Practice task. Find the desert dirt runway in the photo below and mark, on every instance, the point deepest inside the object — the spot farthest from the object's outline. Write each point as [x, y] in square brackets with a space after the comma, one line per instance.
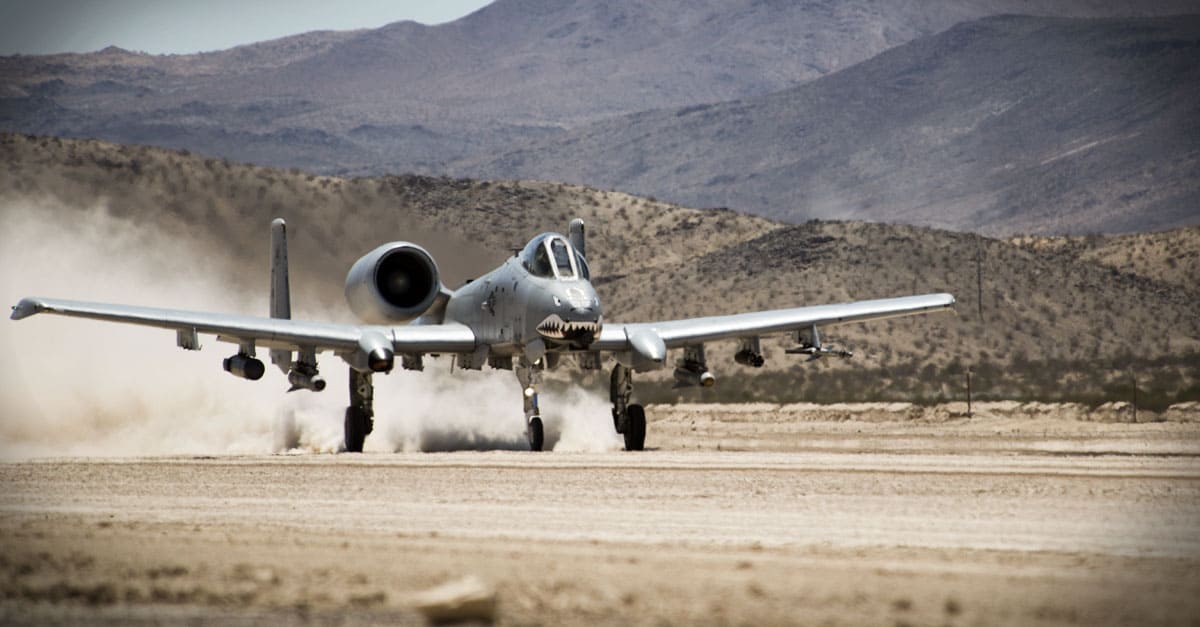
[1001, 519]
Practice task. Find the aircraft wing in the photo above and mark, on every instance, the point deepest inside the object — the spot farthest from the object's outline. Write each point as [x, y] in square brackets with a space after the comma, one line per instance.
[267, 332]
[677, 333]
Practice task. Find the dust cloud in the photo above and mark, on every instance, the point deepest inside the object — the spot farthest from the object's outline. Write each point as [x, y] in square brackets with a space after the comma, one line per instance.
[85, 388]
[480, 411]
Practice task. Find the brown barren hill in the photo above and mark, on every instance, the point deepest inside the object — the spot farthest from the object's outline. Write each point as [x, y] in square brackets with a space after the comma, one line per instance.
[1033, 321]
[1169, 257]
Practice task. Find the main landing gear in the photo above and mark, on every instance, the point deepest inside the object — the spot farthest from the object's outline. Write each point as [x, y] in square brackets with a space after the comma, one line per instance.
[360, 414]
[629, 419]
[535, 431]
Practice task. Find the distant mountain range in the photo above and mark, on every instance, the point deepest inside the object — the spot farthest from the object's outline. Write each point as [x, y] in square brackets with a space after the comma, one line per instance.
[1001, 125]
[759, 105]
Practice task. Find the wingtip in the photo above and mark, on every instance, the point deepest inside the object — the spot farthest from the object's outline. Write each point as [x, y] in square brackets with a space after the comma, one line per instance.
[27, 307]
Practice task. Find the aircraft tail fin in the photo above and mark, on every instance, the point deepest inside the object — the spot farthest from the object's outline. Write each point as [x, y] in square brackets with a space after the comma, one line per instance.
[281, 298]
[576, 234]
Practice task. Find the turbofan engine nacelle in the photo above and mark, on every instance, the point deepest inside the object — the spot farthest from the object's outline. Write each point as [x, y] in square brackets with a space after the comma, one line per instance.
[394, 283]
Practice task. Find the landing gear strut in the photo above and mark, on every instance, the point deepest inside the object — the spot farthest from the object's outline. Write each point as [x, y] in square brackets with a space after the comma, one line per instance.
[530, 376]
[629, 419]
[359, 415]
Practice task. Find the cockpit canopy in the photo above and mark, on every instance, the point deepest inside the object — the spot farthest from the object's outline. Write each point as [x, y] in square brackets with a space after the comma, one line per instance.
[551, 256]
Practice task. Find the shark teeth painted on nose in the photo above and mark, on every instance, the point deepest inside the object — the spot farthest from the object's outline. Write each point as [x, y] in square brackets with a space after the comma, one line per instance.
[554, 327]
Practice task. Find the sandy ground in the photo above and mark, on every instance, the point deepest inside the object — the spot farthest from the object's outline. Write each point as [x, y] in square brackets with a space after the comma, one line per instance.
[738, 515]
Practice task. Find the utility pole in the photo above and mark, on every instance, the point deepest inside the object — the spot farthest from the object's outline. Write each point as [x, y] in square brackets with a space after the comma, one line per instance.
[979, 278]
[1133, 374]
[968, 392]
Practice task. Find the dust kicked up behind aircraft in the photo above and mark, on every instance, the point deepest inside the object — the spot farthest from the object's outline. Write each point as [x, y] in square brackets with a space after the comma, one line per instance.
[527, 315]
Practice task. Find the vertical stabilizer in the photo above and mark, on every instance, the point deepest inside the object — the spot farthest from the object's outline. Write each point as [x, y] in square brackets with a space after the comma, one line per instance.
[576, 235]
[281, 299]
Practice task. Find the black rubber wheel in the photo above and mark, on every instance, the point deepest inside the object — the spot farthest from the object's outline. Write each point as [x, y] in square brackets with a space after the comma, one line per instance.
[537, 435]
[356, 427]
[635, 428]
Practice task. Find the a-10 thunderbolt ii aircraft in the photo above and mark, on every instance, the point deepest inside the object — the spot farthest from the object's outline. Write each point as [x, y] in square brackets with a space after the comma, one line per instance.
[525, 315]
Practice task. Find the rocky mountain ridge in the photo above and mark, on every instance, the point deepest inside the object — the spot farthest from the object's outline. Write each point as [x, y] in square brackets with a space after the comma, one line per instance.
[450, 98]
[1003, 125]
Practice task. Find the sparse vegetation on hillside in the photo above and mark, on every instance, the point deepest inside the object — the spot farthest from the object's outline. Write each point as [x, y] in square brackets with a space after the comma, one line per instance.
[1055, 325]
[1169, 257]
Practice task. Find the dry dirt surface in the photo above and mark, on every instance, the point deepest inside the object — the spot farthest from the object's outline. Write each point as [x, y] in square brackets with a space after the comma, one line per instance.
[886, 515]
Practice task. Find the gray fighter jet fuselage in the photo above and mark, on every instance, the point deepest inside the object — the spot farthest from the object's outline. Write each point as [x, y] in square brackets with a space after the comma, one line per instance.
[523, 308]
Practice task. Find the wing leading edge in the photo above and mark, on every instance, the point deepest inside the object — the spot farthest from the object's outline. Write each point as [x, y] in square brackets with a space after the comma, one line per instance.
[678, 333]
[267, 332]
[458, 338]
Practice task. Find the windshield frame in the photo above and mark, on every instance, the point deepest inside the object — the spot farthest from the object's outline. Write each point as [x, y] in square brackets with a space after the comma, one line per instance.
[540, 252]
[556, 262]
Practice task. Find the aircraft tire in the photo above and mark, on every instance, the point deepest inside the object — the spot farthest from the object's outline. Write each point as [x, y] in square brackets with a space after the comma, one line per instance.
[537, 434]
[635, 428]
[356, 426]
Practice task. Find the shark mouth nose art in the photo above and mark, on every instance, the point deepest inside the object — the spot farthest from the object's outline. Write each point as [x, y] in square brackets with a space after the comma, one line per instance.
[555, 328]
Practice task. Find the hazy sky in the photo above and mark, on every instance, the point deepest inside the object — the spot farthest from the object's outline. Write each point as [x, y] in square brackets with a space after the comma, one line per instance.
[179, 26]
